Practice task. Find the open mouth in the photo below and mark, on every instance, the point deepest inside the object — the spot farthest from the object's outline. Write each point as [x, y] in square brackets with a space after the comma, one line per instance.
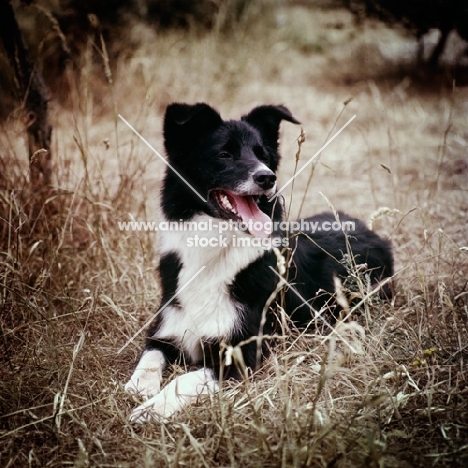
[243, 208]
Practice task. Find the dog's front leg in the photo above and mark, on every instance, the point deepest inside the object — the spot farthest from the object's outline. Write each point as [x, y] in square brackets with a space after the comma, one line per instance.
[146, 380]
[181, 392]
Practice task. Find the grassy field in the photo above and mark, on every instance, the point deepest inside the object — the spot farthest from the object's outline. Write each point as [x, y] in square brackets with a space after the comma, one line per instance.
[74, 288]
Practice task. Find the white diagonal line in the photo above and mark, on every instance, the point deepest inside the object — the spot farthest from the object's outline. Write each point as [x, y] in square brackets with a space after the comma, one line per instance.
[161, 309]
[317, 315]
[158, 155]
[312, 158]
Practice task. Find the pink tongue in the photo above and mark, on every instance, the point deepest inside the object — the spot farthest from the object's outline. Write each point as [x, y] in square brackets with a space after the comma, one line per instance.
[258, 222]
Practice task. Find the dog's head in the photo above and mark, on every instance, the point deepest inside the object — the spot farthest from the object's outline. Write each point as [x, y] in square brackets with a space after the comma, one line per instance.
[231, 164]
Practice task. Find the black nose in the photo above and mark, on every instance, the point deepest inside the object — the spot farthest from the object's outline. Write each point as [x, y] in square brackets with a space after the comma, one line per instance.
[265, 179]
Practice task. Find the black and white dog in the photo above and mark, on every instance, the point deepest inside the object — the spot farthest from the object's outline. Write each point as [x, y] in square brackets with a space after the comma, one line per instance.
[218, 263]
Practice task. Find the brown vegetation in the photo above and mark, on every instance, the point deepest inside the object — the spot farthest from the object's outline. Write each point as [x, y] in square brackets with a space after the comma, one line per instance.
[74, 288]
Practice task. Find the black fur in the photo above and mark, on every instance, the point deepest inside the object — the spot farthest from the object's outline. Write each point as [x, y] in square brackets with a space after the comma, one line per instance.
[213, 154]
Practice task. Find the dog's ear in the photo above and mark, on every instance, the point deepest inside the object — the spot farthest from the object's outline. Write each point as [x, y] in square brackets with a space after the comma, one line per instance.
[267, 119]
[185, 124]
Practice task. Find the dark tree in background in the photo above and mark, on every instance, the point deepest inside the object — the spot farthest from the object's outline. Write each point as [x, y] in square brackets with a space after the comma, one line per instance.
[419, 16]
[33, 95]
[40, 38]
[56, 32]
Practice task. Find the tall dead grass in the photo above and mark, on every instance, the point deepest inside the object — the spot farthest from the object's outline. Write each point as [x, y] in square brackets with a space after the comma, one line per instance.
[387, 388]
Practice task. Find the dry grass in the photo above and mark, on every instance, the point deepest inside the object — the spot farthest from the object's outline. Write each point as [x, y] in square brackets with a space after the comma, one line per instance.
[74, 288]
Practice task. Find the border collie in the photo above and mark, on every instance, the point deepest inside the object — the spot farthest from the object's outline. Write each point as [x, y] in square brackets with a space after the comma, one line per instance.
[219, 265]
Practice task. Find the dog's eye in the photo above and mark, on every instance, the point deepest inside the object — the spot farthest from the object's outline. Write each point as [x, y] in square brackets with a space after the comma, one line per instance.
[260, 153]
[224, 155]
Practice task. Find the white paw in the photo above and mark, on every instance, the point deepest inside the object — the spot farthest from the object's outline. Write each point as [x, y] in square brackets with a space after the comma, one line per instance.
[146, 380]
[154, 409]
[181, 392]
[144, 383]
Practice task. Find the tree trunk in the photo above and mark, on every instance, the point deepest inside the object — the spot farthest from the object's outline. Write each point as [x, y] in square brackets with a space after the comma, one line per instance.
[34, 96]
[439, 48]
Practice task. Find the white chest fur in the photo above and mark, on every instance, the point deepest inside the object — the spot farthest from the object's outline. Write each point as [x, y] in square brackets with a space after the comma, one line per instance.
[207, 309]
